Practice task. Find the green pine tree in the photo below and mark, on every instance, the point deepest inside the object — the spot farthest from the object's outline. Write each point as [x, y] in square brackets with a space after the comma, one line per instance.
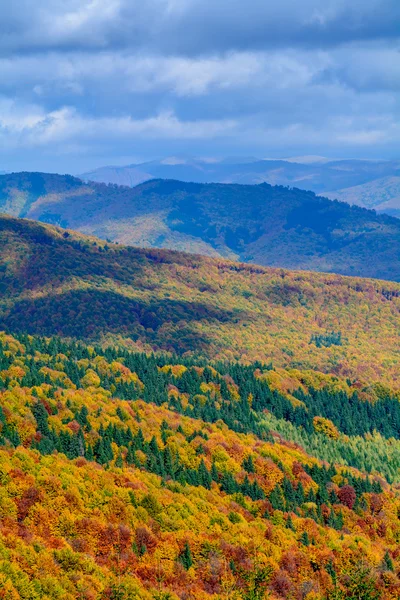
[185, 556]
[304, 539]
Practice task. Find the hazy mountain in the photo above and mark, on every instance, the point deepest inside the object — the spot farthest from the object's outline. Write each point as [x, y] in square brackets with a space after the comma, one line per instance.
[314, 173]
[382, 194]
[309, 159]
[264, 224]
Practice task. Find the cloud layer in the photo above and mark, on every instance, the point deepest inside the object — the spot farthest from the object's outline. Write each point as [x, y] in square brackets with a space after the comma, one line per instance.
[84, 82]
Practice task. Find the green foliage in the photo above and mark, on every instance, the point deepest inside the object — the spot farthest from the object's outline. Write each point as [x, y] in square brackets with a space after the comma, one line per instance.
[369, 453]
[360, 584]
[387, 562]
[185, 556]
[256, 582]
[334, 338]
[304, 539]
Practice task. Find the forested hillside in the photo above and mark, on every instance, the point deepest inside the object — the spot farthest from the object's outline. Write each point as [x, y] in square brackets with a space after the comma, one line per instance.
[255, 455]
[371, 184]
[57, 282]
[315, 173]
[263, 224]
[140, 477]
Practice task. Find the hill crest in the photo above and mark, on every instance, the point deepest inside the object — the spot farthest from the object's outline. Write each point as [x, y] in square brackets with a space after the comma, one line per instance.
[262, 224]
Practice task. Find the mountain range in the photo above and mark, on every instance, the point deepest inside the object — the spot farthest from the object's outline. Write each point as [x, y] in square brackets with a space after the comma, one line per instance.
[263, 224]
[367, 183]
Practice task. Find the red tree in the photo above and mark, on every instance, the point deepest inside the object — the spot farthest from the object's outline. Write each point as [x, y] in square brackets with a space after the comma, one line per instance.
[347, 496]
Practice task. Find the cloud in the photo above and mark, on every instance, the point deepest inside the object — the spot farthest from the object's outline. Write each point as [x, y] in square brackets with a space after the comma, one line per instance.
[366, 68]
[193, 26]
[34, 128]
[29, 126]
[107, 79]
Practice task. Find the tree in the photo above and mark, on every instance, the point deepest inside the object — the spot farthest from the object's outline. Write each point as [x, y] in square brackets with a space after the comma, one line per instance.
[387, 563]
[40, 414]
[276, 498]
[256, 581]
[360, 584]
[304, 539]
[248, 464]
[347, 496]
[185, 556]
[289, 523]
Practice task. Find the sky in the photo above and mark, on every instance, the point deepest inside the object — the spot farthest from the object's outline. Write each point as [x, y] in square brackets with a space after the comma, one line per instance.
[86, 83]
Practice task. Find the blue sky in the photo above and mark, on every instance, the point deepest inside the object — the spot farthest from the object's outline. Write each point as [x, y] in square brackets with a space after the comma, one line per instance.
[85, 83]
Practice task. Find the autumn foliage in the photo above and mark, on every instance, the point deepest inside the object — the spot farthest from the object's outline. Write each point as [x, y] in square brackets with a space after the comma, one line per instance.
[55, 282]
[134, 476]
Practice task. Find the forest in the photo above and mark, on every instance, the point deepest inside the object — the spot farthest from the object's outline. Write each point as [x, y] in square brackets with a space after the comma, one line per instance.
[273, 225]
[127, 474]
[56, 282]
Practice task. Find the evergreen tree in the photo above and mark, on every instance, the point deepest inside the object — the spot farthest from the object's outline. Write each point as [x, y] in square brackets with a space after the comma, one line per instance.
[276, 498]
[387, 563]
[214, 472]
[185, 557]
[204, 476]
[248, 464]
[362, 585]
[290, 524]
[41, 417]
[304, 539]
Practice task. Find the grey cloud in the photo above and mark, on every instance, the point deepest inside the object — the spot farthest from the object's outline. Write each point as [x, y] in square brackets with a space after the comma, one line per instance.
[84, 82]
[370, 68]
[190, 27]
[226, 24]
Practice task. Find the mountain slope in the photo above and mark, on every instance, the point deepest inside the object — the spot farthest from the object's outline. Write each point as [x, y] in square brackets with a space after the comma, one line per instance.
[383, 195]
[263, 224]
[313, 173]
[134, 477]
[137, 476]
[58, 282]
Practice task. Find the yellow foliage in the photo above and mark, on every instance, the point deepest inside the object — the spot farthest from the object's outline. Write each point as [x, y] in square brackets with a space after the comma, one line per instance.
[91, 379]
[176, 370]
[325, 426]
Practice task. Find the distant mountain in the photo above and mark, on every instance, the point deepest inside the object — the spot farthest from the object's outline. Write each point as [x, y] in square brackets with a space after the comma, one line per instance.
[264, 224]
[309, 159]
[314, 173]
[382, 194]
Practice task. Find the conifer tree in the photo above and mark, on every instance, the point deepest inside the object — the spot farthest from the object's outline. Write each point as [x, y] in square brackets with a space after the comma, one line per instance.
[185, 557]
[276, 498]
[248, 464]
[304, 539]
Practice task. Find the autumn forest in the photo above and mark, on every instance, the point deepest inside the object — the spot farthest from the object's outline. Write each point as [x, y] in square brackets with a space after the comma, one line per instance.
[177, 427]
